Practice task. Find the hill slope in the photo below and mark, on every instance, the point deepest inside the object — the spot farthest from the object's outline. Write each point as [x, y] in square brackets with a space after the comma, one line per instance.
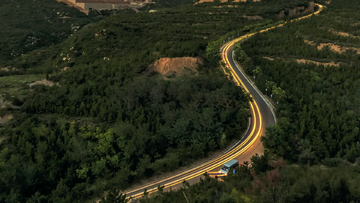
[106, 124]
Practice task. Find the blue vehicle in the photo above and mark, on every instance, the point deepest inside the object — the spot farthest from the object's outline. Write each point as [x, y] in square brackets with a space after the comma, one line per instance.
[229, 166]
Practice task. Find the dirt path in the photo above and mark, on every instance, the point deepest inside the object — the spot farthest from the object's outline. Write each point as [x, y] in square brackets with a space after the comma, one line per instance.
[344, 34]
[304, 61]
[333, 47]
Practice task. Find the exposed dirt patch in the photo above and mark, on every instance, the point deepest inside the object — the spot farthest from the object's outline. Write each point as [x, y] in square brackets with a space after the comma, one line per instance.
[4, 104]
[268, 58]
[7, 69]
[317, 63]
[304, 61]
[204, 1]
[333, 47]
[5, 118]
[43, 82]
[71, 4]
[173, 67]
[327, 2]
[64, 69]
[227, 6]
[344, 34]
[253, 17]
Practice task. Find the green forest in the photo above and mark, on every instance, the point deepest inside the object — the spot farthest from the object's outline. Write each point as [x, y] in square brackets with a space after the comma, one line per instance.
[313, 152]
[30, 25]
[320, 105]
[105, 123]
[309, 70]
[268, 180]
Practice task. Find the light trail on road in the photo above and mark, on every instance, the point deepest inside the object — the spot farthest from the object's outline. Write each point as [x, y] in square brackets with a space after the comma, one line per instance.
[197, 171]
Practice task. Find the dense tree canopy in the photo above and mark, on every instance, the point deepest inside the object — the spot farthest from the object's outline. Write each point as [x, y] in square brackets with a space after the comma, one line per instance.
[29, 25]
[319, 116]
[279, 183]
[106, 123]
[317, 129]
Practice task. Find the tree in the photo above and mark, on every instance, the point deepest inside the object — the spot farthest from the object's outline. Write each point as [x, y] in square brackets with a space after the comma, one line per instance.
[278, 93]
[351, 154]
[114, 196]
[257, 71]
[227, 198]
[259, 163]
[269, 85]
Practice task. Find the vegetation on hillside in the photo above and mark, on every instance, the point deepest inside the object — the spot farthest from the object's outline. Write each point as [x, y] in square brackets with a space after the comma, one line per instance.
[30, 25]
[334, 181]
[319, 105]
[166, 4]
[318, 116]
[106, 124]
[159, 126]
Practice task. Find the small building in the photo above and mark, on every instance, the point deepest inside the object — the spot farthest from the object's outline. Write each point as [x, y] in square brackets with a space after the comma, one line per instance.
[85, 5]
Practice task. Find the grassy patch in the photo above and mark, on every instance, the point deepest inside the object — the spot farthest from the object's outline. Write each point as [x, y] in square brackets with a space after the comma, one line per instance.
[17, 85]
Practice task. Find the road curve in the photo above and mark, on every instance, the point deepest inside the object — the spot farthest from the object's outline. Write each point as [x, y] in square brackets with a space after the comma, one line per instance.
[262, 117]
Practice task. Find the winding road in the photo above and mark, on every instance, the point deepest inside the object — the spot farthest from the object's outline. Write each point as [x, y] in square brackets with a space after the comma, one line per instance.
[262, 116]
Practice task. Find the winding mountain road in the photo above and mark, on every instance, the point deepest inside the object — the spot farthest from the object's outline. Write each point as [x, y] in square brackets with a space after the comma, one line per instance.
[262, 116]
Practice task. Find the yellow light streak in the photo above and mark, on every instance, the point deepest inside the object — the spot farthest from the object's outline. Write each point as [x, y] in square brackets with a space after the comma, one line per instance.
[209, 168]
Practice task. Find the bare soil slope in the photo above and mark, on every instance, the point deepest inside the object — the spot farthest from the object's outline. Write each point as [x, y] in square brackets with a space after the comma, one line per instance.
[307, 61]
[333, 47]
[173, 67]
[42, 82]
[5, 118]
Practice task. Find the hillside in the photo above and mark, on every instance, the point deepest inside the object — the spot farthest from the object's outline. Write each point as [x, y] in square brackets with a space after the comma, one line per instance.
[313, 152]
[30, 25]
[321, 100]
[105, 123]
